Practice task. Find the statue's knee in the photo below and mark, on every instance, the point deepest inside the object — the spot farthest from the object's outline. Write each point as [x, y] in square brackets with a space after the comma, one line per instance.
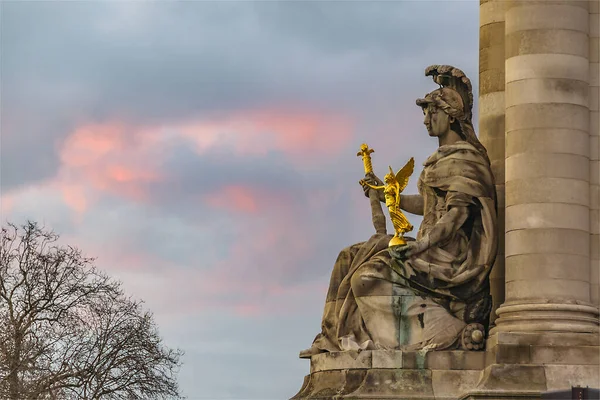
[362, 282]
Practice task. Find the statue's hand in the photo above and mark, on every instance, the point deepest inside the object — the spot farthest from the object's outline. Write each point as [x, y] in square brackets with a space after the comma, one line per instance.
[372, 180]
[409, 249]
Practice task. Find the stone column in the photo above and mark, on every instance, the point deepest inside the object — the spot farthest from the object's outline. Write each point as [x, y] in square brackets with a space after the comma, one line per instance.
[594, 150]
[491, 120]
[547, 167]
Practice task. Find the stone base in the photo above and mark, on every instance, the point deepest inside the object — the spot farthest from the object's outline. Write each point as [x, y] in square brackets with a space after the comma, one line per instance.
[382, 374]
[524, 365]
[515, 366]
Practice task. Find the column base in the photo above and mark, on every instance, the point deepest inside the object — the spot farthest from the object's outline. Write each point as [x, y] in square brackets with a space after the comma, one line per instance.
[542, 316]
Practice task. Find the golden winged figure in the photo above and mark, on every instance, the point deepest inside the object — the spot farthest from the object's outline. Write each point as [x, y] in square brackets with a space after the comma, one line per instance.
[395, 183]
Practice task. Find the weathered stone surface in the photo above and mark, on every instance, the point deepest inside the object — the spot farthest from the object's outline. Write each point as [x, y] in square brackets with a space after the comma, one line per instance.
[449, 385]
[586, 355]
[455, 360]
[387, 359]
[564, 376]
[402, 383]
[513, 377]
[340, 360]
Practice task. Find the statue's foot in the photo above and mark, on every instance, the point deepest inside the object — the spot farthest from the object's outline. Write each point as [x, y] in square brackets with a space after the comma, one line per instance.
[472, 337]
[311, 351]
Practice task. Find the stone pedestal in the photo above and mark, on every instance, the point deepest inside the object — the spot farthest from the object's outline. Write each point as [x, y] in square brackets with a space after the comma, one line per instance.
[381, 374]
[515, 366]
[523, 365]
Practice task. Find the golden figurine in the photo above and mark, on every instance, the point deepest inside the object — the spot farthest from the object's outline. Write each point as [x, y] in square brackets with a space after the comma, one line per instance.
[394, 185]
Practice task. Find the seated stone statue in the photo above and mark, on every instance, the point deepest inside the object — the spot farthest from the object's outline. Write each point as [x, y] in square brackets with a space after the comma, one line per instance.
[433, 292]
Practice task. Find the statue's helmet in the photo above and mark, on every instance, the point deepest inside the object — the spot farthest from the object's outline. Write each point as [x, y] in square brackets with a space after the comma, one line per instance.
[446, 99]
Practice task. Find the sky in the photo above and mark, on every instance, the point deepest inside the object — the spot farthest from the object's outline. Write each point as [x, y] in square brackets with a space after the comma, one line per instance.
[205, 153]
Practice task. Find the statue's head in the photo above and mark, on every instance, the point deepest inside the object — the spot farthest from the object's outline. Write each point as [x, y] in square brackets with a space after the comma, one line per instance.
[450, 106]
[443, 109]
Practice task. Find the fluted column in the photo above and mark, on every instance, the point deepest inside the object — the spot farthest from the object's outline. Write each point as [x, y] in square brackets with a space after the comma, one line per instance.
[547, 167]
[491, 120]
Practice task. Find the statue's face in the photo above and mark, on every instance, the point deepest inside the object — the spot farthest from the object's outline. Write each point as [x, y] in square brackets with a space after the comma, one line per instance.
[436, 121]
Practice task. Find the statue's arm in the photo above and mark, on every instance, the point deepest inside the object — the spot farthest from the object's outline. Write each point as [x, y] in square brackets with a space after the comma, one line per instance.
[446, 226]
[412, 203]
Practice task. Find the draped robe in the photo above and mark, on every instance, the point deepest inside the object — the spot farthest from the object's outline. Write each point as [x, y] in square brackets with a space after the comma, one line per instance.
[450, 278]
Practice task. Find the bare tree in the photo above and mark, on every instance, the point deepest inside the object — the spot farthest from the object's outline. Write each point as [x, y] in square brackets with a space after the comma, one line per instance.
[67, 331]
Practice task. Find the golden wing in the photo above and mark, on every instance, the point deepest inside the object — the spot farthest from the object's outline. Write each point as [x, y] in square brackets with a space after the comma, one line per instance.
[405, 173]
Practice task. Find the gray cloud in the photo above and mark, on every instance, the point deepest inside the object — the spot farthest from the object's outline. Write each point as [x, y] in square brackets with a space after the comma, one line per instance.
[156, 62]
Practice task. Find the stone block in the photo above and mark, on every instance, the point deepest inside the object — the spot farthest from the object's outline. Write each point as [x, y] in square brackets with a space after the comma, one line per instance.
[491, 36]
[549, 288]
[324, 384]
[494, 147]
[546, 189]
[594, 25]
[537, 66]
[595, 294]
[594, 148]
[547, 41]
[340, 360]
[594, 123]
[513, 377]
[547, 165]
[387, 359]
[553, 266]
[547, 215]
[490, 80]
[594, 94]
[565, 376]
[594, 74]
[492, 126]
[547, 90]
[508, 354]
[572, 3]
[594, 247]
[402, 383]
[413, 360]
[549, 241]
[547, 17]
[543, 339]
[548, 116]
[576, 355]
[451, 384]
[594, 49]
[491, 12]
[455, 360]
[570, 141]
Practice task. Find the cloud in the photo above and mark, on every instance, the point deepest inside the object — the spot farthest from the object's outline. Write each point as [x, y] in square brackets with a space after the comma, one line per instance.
[206, 153]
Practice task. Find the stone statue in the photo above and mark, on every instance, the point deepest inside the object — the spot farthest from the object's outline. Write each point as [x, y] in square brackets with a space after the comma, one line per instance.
[431, 293]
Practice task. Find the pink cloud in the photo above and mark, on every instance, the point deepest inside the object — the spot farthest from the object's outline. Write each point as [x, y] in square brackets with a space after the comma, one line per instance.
[235, 198]
[302, 135]
[122, 159]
